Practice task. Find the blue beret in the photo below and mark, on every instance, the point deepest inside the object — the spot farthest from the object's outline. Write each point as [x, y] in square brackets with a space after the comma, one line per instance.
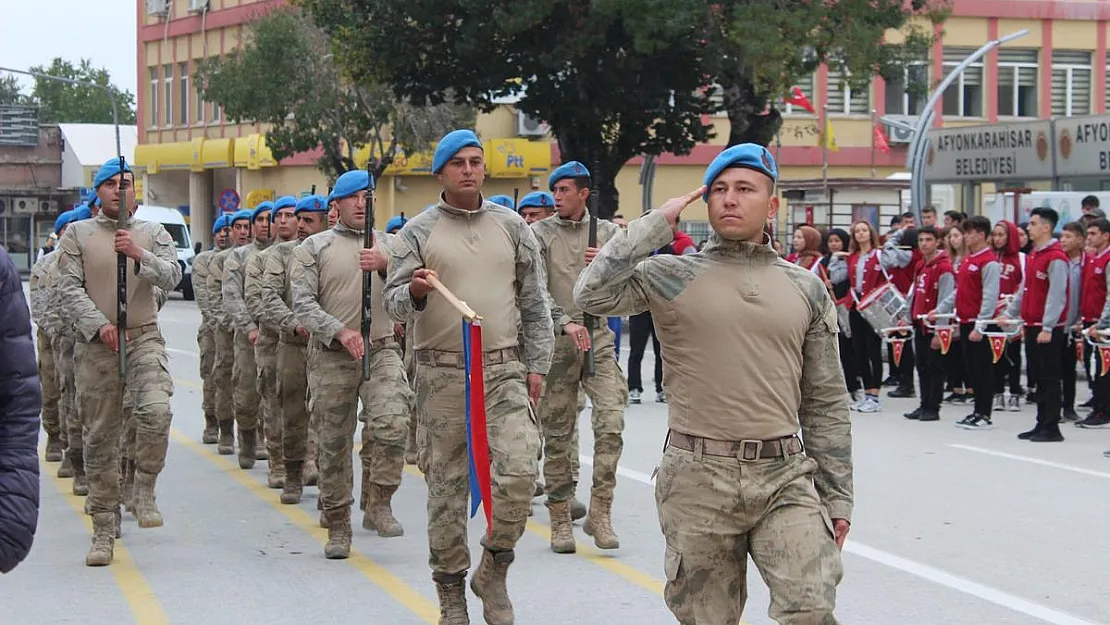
[572, 169]
[450, 145]
[63, 220]
[503, 200]
[312, 204]
[541, 199]
[395, 223]
[246, 213]
[108, 170]
[746, 155]
[351, 183]
[220, 223]
[263, 207]
[285, 201]
[81, 213]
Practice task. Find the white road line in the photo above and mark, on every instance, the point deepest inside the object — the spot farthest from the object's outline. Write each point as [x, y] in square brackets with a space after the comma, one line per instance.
[1045, 463]
[183, 352]
[926, 572]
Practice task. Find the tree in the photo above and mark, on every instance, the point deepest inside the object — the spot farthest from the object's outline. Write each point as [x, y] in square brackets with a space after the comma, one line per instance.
[10, 91]
[612, 79]
[760, 54]
[68, 103]
[285, 76]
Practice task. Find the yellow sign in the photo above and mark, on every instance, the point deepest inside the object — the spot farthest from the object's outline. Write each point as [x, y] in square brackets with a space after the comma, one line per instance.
[402, 165]
[138, 189]
[251, 152]
[517, 158]
[258, 196]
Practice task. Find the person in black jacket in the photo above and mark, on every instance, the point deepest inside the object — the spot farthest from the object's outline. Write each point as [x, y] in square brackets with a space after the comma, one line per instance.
[20, 404]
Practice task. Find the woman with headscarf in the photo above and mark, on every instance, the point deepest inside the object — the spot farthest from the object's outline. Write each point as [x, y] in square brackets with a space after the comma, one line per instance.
[836, 280]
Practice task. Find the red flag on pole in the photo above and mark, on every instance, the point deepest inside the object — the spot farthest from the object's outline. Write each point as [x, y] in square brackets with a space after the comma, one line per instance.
[477, 440]
[797, 98]
[880, 141]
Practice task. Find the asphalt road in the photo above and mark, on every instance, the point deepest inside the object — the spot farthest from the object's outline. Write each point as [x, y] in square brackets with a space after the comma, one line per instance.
[951, 527]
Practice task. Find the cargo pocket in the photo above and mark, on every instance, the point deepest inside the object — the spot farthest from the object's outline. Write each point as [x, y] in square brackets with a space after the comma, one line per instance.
[672, 564]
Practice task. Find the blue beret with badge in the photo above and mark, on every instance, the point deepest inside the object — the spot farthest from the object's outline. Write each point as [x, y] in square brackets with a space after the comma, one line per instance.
[747, 155]
[246, 214]
[109, 170]
[263, 207]
[312, 204]
[503, 200]
[450, 145]
[220, 223]
[540, 199]
[572, 169]
[82, 212]
[63, 220]
[351, 183]
[285, 201]
[395, 223]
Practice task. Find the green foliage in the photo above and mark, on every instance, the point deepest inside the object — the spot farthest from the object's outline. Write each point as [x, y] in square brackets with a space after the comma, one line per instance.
[285, 76]
[613, 78]
[68, 103]
[10, 90]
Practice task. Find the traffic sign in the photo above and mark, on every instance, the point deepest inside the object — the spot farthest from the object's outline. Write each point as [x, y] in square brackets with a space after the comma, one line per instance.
[229, 200]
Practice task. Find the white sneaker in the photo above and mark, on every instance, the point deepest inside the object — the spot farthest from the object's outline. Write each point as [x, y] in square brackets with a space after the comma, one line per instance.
[1015, 403]
[869, 405]
[999, 402]
[633, 396]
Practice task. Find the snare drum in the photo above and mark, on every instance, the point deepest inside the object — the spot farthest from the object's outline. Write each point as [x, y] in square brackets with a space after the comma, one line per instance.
[885, 307]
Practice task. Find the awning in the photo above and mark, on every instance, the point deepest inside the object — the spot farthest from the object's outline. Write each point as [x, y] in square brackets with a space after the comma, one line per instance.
[505, 158]
[217, 153]
[251, 152]
[416, 165]
[155, 157]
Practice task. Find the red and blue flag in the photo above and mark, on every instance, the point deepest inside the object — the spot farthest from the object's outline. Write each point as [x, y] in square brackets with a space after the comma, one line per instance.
[477, 440]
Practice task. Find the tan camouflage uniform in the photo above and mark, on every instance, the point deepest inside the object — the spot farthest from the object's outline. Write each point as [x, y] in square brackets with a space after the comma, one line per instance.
[69, 410]
[245, 372]
[491, 260]
[750, 351]
[265, 355]
[206, 344]
[223, 364]
[327, 297]
[563, 244]
[87, 285]
[46, 321]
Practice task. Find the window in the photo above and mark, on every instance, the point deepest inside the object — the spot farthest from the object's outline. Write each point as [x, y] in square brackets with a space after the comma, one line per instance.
[201, 106]
[1017, 83]
[843, 100]
[907, 95]
[964, 97]
[183, 95]
[167, 84]
[806, 85]
[152, 100]
[1071, 83]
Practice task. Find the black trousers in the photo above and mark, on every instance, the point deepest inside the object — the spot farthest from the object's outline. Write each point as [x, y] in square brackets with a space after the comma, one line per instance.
[1069, 359]
[955, 366]
[1008, 370]
[640, 327]
[1100, 384]
[980, 369]
[868, 347]
[848, 363]
[1048, 359]
[930, 370]
[906, 366]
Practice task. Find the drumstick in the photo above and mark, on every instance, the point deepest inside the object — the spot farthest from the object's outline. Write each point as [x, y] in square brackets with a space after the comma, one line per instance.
[459, 305]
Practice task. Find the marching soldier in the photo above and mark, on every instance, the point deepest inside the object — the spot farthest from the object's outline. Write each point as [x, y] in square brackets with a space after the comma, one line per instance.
[64, 340]
[265, 348]
[224, 365]
[565, 247]
[734, 480]
[327, 300]
[245, 370]
[87, 268]
[533, 207]
[490, 258]
[206, 333]
[275, 290]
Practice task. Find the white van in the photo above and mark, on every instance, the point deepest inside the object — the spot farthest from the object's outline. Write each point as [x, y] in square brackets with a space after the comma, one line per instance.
[174, 223]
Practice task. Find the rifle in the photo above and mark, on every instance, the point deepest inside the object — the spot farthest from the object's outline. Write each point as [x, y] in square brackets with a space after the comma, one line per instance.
[516, 199]
[367, 277]
[121, 274]
[589, 366]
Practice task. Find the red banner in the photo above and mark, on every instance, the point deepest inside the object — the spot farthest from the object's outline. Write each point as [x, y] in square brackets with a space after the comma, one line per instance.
[998, 347]
[896, 348]
[944, 336]
[1104, 360]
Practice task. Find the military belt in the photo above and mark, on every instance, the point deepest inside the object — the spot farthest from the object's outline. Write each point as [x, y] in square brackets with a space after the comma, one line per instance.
[291, 337]
[742, 450]
[375, 344]
[435, 358]
[133, 333]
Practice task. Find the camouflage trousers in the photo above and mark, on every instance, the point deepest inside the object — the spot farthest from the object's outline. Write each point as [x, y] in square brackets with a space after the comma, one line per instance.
[222, 372]
[244, 376]
[265, 355]
[513, 446]
[333, 378]
[716, 511]
[69, 408]
[206, 343]
[298, 430]
[559, 410]
[51, 391]
[100, 394]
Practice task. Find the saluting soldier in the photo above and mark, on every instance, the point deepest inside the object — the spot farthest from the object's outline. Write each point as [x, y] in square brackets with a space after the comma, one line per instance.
[245, 370]
[564, 243]
[299, 438]
[734, 480]
[327, 300]
[206, 333]
[87, 284]
[265, 348]
[489, 258]
[223, 367]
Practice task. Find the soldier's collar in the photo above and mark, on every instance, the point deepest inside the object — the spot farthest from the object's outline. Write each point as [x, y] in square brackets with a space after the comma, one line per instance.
[570, 223]
[343, 228]
[453, 211]
[719, 246]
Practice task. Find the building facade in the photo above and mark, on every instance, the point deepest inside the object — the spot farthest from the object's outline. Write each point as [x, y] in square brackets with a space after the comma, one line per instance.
[195, 159]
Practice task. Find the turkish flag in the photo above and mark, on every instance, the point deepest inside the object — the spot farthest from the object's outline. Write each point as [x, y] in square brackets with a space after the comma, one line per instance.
[998, 347]
[797, 98]
[944, 336]
[896, 348]
[1079, 350]
[1104, 360]
[880, 142]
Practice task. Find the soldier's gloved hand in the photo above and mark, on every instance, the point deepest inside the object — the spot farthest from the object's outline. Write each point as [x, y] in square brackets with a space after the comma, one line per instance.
[420, 287]
[252, 336]
[840, 531]
[579, 335]
[535, 387]
[352, 342]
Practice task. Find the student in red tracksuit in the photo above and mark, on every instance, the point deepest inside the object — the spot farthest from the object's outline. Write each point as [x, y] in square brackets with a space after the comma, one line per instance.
[933, 283]
[900, 258]
[1094, 309]
[1072, 238]
[976, 297]
[865, 274]
[1006, 241]
[1042, 304]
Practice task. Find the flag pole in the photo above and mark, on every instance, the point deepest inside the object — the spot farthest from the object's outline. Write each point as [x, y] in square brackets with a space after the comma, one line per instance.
[872, 143]
[825, 150]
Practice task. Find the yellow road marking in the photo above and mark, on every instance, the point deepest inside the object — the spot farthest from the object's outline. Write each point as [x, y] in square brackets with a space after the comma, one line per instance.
[140, 597]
